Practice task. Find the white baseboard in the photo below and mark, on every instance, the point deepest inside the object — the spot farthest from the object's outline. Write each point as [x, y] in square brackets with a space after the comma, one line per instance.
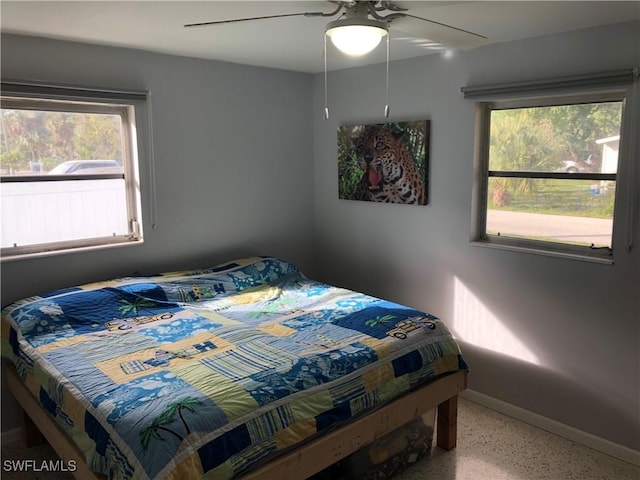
[583, 438]
[11, 436]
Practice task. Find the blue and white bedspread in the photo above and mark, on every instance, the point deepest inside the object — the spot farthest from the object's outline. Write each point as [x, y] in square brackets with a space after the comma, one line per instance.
[204, 374]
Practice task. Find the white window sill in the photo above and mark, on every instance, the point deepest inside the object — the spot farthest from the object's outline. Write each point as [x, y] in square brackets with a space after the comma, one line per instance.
[66, 251]
[597, 256]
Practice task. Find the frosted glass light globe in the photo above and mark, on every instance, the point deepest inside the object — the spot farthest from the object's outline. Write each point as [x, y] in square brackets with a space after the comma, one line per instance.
[355, 40]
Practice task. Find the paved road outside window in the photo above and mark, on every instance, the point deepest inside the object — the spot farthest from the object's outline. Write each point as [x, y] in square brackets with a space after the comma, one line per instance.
[555, 227]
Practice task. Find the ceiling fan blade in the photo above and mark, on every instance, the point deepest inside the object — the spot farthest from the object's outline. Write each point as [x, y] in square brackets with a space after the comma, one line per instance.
[447, 35]
[236, 20]
[265, 17]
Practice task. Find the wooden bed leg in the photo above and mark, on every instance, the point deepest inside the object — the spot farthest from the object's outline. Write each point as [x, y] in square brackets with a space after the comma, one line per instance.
[447, 423]
[30, 432]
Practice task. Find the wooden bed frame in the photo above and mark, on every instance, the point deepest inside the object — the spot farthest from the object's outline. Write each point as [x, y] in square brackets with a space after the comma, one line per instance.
[301, 462]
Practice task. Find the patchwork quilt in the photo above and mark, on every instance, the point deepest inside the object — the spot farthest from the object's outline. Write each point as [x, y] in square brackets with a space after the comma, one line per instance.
[208, 373]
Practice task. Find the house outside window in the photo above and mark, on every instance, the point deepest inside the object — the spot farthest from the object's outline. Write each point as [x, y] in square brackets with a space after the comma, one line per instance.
[547, 171]
[68, 169]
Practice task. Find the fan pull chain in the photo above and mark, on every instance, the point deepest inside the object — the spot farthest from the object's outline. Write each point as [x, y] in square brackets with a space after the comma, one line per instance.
[386, 107]
[633, 141]
[326, 107]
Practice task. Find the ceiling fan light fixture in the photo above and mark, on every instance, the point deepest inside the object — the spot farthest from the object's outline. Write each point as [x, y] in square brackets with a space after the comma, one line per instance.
[356, 36]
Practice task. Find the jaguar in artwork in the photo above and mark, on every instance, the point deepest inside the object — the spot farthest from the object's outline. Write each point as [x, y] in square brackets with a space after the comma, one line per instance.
[390, 172]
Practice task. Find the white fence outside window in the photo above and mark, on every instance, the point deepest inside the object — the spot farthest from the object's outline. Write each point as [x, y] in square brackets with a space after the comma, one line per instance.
[62, 210]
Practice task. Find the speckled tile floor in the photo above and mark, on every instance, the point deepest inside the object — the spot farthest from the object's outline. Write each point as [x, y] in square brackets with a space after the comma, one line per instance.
[491, 446]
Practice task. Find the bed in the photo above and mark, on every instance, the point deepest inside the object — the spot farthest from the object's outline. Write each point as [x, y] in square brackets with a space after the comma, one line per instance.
[245, 370]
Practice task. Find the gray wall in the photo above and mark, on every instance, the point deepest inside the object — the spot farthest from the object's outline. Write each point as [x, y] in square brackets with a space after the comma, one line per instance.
[233, 161]
[554, 336]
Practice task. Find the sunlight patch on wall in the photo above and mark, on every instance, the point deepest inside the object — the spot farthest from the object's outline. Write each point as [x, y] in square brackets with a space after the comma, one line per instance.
[474, 323]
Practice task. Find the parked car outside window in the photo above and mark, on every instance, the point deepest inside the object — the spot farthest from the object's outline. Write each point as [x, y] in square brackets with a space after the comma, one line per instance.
[80, 167]
[582, 166]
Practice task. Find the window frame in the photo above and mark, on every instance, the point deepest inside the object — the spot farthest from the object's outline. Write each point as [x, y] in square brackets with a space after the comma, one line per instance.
[131, 107]
[541, 94]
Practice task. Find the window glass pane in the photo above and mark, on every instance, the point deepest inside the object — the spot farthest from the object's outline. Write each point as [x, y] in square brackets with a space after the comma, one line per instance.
[569, 211]
[44, 142]
[565, 138]
[62, 143]
[43, 212]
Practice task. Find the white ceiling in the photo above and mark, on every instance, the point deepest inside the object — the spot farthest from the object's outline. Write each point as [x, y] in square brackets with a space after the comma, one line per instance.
[294, 43]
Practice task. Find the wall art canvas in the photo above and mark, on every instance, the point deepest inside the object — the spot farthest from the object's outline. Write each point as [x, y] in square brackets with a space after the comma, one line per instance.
[384, 162]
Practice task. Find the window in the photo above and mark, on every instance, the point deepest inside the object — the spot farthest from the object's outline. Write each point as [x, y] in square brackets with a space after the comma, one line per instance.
[68, 169]
[547, 172]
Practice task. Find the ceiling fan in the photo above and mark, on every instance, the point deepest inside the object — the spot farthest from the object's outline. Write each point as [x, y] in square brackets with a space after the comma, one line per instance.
[362, 24]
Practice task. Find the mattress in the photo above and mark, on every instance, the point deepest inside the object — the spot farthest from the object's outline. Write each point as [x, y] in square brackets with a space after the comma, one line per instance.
[208, 373]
